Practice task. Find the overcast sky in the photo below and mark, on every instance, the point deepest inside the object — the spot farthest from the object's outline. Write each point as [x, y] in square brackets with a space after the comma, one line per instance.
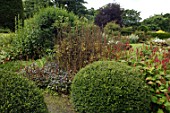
[146, 7]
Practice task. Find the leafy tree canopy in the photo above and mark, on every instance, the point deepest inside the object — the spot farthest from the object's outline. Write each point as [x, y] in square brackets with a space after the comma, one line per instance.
[108, 13]
[9, 10]
[158, 22]
[131, 17]
[76, 6]
[33, 6]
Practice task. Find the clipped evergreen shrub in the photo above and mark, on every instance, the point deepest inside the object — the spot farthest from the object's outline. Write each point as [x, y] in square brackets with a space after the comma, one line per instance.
[109, 87]
[125, 31]
[159, 35]
[9, 9]
[18, 95]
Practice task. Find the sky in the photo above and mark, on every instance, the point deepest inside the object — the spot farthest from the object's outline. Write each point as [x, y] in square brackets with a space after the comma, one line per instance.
[146, 7]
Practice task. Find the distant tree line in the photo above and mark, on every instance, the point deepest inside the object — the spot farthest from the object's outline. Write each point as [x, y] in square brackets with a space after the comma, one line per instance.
[10, 9]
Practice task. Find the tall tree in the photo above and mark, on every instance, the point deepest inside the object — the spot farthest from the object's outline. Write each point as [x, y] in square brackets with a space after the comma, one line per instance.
[157, 22]
[33, 6]
[131, 17]
[9, 10]
[76, 6]
[108, 13]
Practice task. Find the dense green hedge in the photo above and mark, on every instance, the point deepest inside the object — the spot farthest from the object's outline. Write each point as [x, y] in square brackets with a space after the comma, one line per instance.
[125, 31]
[18, 95]
[159, 35]
[109, 87]
[9, 9]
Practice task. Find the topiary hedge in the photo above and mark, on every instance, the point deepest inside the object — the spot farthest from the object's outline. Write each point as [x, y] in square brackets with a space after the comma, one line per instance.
[18, 95]
[109, 87]
[159, 35]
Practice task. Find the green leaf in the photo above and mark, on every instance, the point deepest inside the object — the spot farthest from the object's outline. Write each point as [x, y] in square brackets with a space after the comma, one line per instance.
[149, 78]
[158, 82]
[160, 111]
[162, 100]
[161, 87]
[164, 90]
[167, 104]
[167, 77]
[154, 99]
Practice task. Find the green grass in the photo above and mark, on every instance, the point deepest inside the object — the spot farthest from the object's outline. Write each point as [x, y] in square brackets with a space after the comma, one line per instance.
[135, 46]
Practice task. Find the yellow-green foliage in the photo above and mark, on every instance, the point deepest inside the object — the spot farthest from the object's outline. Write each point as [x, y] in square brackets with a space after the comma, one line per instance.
[160, 31]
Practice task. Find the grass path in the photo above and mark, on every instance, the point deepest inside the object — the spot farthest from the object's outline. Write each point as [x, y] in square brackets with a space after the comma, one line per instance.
[58, 104]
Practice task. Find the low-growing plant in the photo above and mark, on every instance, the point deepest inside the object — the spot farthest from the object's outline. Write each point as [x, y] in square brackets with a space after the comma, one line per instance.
[154, 63]
[49, 76]
[18, 95]
[110, 87]
[133, 38]
[168, 41]
[6, 40]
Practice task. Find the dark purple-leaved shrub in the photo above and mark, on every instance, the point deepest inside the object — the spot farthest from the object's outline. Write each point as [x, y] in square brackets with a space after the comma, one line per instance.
[49, 76]
[108, 13]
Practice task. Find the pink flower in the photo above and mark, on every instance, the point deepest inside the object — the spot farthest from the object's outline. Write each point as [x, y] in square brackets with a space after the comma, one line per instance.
[156, 59]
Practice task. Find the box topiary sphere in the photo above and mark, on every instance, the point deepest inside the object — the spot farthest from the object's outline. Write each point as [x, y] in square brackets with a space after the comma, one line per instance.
[109, 87]
[19, 95]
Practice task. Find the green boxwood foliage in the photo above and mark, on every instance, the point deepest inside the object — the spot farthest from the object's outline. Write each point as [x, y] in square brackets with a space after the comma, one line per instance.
[109, 87]
[18, 95]
[9, 9]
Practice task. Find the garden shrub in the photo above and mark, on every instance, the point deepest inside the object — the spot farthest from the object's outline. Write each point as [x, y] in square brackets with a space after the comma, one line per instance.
[6, 40]
[143, 28]
[125, 31]
[154, 63]
[109, 87]
[159, 35]
[19, 95]
[112, 29]
[13, 66]
[142, 36]
[5, 30]
[40, 32]
[86, 45]
[168, 41]
[49, 76]
[133, 38]
[83, 46]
